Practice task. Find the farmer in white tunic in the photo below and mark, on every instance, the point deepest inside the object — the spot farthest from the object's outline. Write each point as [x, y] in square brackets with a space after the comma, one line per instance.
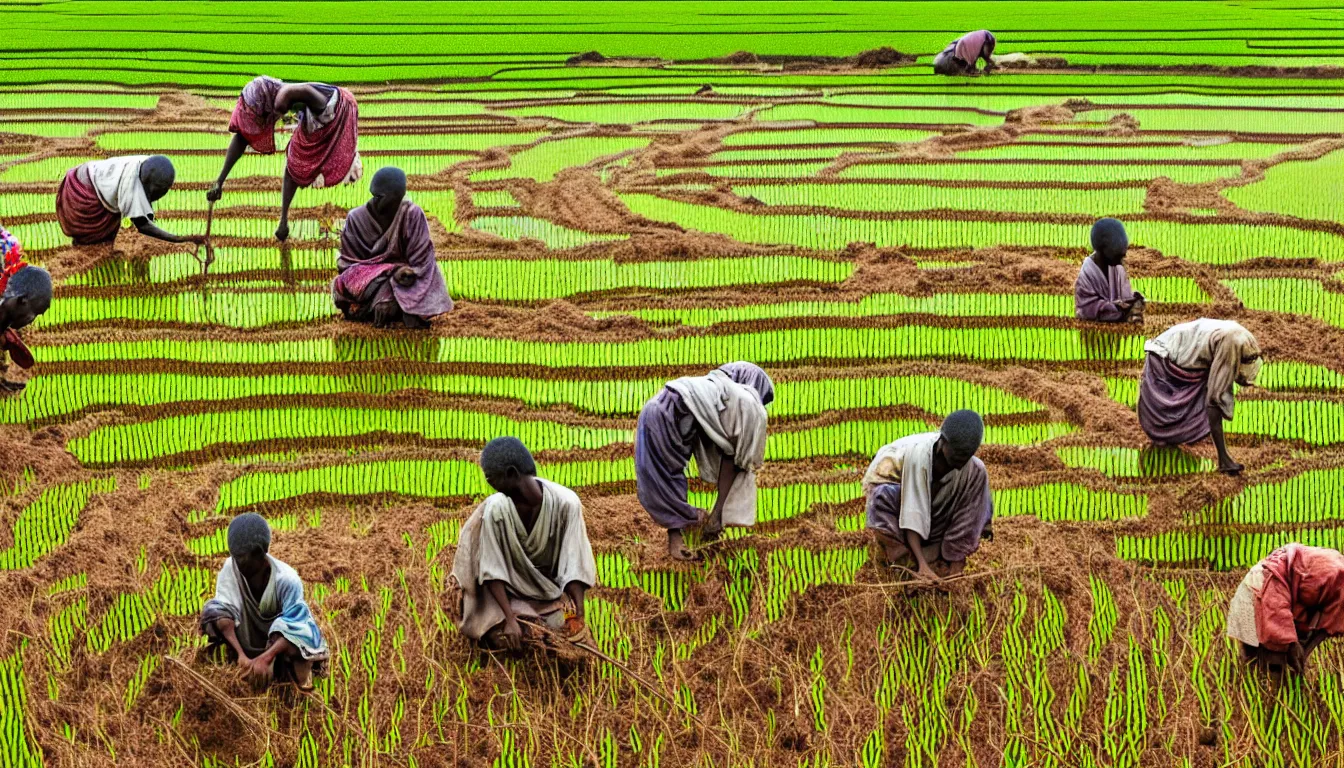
[523, 553]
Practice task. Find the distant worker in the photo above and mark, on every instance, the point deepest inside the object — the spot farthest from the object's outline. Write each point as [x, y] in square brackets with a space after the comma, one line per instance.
[386, 268]
[523, 553]
[258, 615]
[1186, 390]
[1102, 292]
[1287, 605]
[323, 150]
[961, 56]
[720, 419]
[25, 293]
[94, 197]
[928, 497]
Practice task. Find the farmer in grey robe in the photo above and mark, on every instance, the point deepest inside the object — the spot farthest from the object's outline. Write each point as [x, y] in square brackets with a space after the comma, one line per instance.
[720, 419]
[523, 553]
[928, 497]
[1102, 292]
[258, 613]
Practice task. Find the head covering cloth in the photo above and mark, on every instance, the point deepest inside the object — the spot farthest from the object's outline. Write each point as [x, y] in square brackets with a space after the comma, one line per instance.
[751, 375]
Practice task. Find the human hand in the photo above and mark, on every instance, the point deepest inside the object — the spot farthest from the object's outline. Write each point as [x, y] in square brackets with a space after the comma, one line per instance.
[404, 276]
[926, 573]
[215, 192]
[1297, 657]
[512, 634]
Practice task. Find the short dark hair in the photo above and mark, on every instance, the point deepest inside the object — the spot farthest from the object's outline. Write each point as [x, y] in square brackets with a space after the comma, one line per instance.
[159, 169]
[504, 452]
[34, 284]
[249, 534]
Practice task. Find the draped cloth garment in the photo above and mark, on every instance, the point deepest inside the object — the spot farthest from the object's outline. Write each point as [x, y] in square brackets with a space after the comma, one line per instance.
[255, 116]
[324, 148]
[952, 519]
[280, 611]
[1189, 368]
[369, 254]
[82, 216]
[494, 545]
[1294, 590]
[1097, 291]
[11, 261]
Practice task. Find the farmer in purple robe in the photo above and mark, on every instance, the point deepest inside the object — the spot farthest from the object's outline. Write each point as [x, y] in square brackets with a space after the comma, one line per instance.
[1186, 390]
[387, 271]
[928, 497]
[720, 419]
[961, 55]
[1102, 292]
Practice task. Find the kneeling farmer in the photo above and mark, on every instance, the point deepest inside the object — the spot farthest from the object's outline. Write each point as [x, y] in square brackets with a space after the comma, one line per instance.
[25, 293]
[259, 613]
[1288, 604]
[928, 496]
[961, 55]
[94, 197]
[524, 552]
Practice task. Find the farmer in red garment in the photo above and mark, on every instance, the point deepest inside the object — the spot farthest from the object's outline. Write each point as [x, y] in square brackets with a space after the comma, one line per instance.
[961, 55]
[25, 293]
[94, 197]
[321, 153]
[1287, 605]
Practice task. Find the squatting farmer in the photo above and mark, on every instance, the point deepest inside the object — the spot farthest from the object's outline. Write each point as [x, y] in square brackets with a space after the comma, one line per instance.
[524, 552]
[928, 497]
[1185, 393]
[1287, 605]
[720, 419]
[94, 197]
[258, 614]
[386, 269]
[1102, 292]
[322, 152]
[961, 56]
[25, 293]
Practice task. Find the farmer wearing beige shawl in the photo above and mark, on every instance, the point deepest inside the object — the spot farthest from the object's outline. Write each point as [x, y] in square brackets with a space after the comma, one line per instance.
[524, 552]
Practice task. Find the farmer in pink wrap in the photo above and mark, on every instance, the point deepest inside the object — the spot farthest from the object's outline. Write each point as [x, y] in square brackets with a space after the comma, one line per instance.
[1102, 292]
[1185, 393]
[94, 197]
[387, 270]
[25, 293]
[1288, 604]
[321, 153]
[961, 55]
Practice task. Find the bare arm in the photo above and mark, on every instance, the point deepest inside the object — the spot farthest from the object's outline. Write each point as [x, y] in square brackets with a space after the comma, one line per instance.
[513, 632]
[576, 590]
[229, 630]
[235, 151]
[916, 544]
[300, 93]
[148, 228]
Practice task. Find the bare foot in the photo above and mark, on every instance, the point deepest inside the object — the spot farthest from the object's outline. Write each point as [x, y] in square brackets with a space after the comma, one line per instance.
[894, 552]
[282, 231]
[676, 547]
[303, 674]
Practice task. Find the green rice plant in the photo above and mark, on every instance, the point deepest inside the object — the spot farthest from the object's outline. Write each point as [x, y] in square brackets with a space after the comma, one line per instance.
[146, 441]
[744, 570]
[737, 171]
[493, 198]
[46, 524]
[785, 154]
[873, 305]
[1054, 502]
[1170, 290]
[1122, 390]
[703, 636]
[1104, 616]
[71, 583]
[1290, 296]
[1231, 120]
[464, 140]
[552, 235]
[51, 128]
[1308, 421]
[1303, 499]
[866, 437]
[629, 112]
[229, 309]
[1065, 173]
[793, 571]
[763, 135]
[21, 750]
[544, 160]
[1308, 190]
[905, 116]
[860, 196]
[1153, 462]
[61, 630]
[1222, 553]
[217, 543]
[152, 142]
[1093, 151]
[818, 692]
[15, 204]
[788, 501]
[39, 236]
[136, 685]
[1285, 376]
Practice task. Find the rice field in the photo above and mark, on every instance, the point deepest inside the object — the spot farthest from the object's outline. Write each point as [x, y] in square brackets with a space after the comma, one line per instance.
[889, 245]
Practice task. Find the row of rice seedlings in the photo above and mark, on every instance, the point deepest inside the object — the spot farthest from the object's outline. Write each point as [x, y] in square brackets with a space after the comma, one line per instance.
[475, 139]
[843, 113]
[52, 395]
[1207, 243]
[549, 233]
[18, 748]
[1101, 626]
[866, 437]
[46, 523]
[1056, 502]
[493, 198]
[762, 347]
[629, 112]
[25, 480]
[1237, 150]
[1222, 553]
[744, 570]
[229, 262]
[512, 280]
[786, 502]
[131, 443]
[217, 543]
[1170, 290]
[1289, 295]
[136, 685]
[543, 161]
[1062, 173]
[228, 309]
[1312, 422]
[1307, 498]
[860, 196]
[1309, 190]
[763, 135]
[71, 583]
[36, 99]
[1288, 375]
[1150, 462]
[177, 592]
[793, 571]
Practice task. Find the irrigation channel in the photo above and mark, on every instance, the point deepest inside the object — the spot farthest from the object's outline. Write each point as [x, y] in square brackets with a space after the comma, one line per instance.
[888, 253]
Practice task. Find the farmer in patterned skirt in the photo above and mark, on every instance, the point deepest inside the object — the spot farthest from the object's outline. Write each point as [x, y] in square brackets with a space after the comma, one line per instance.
[25, 293]
[1288, 604]
[94, 197]
[258, 614]
[928, 497]
[386, 269]
[323, 150]
[720, 419]
[1102, 292]
[961, 56]
[523, 553]
[1185, 393]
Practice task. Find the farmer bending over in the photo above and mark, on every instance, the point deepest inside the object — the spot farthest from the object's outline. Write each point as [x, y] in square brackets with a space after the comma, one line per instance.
[961, 56]
[1102, 292]
[94, 197]
[720, 419]
[386, 268]
[321, 153]
[1186, 390]
[928, 497]
[25, 293]
[524, 552]
[1287, 605]
[259, 614]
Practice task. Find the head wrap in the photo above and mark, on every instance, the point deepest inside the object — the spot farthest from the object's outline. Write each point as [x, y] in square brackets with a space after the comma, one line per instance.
[963, 430]
[388, 182]
[1249, 351]
[249, 533]
[255, 115]
[751, 375]
[12, 261]
[504, 452]
[1109, 239]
